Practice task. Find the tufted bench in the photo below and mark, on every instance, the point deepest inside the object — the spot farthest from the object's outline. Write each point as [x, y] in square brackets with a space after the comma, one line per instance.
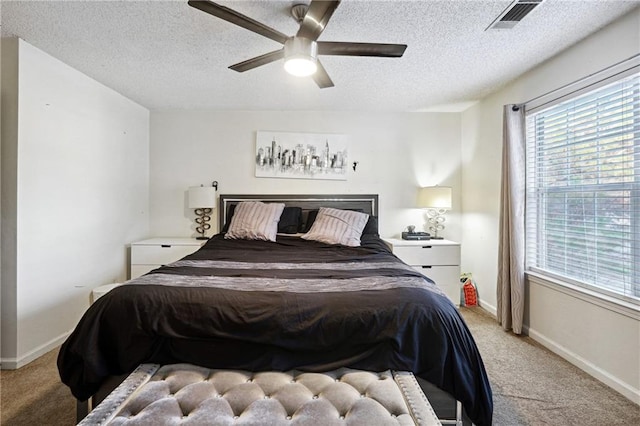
[186, 394]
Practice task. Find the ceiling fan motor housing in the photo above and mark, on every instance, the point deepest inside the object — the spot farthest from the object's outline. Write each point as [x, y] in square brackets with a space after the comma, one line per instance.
[300, 56]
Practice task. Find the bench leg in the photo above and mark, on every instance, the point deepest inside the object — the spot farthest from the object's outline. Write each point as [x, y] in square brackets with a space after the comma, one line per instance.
[82, 409]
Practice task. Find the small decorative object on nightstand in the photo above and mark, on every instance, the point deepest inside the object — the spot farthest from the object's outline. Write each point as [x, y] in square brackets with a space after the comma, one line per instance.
[155, 252]
[437, 200]
[438, 260]
[203, 200]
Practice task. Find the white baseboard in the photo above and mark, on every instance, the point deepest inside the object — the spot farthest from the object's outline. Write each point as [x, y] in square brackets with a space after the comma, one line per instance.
[15, 363]
[588, 367]
[488, 307]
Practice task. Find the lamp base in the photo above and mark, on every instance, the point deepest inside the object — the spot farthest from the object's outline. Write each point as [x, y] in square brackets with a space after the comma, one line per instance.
[437, 238]
[202, 222]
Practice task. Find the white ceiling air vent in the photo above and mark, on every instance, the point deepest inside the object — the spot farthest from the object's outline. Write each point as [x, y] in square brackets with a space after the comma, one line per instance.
[513, 14]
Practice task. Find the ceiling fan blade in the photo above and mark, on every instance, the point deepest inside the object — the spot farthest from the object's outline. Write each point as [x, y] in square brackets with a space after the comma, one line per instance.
[252, 63]
[239, 19]
[361, 49]
[316, 18]
[321, 77]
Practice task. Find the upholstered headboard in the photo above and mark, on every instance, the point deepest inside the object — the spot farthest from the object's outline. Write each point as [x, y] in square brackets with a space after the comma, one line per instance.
[367, 203]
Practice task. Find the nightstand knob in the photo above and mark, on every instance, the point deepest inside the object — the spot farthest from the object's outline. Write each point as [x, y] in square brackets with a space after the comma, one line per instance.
[427, 246]
[165, 245]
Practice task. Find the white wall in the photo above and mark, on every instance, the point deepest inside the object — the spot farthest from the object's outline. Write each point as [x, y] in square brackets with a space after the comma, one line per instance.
[396, 152]
[609, 350]
[9, 120]
[81, 191]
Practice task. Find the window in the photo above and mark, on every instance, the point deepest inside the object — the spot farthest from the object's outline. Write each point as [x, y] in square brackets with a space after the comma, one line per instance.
[583, 189]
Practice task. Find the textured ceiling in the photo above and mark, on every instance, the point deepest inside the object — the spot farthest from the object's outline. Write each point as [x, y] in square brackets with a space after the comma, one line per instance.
[167, 55]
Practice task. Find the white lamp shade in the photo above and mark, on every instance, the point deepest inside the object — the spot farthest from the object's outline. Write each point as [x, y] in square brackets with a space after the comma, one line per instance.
[202, 197]
[436, 197]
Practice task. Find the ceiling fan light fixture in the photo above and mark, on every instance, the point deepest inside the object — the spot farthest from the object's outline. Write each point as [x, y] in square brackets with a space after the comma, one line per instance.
[300, 67]
[300, 56]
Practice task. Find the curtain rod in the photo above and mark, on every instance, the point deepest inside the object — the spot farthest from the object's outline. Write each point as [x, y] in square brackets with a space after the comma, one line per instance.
[516, 107]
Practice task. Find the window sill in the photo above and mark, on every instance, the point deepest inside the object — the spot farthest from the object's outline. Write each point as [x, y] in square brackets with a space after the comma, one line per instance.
[619, 306]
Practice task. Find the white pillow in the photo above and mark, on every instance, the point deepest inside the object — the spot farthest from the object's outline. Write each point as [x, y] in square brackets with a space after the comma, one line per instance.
[334, 226]
[253, 220]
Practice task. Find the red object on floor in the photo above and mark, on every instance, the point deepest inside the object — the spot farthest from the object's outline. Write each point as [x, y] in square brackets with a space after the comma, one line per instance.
[470, 294]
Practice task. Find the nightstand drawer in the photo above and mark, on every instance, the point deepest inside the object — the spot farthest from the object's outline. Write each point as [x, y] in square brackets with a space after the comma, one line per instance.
[138, 270]
[436, 259]
[428, 254]
[446, 277]
[159, 254]
[152, 253]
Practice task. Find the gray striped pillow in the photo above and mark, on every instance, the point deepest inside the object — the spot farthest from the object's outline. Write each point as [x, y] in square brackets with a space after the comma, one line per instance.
[334, 226]
[253, 220]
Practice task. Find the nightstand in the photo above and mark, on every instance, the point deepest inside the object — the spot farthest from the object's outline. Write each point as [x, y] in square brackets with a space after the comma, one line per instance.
[436, 259]
[155, 252]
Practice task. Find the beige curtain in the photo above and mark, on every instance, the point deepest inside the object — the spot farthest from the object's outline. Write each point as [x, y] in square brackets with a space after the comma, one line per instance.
[511, 250]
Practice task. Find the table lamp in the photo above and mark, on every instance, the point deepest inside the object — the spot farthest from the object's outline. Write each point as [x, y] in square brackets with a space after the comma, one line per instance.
[437, 200]
[203, 200]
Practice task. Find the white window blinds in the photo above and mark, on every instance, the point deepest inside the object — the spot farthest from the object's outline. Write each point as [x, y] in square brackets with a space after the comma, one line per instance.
[583, 189]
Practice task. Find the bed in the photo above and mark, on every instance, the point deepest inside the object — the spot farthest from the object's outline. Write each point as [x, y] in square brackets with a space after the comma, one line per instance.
[292, 303]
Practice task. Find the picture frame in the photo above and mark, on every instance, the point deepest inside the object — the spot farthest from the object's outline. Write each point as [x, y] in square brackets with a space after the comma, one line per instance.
[301, 155]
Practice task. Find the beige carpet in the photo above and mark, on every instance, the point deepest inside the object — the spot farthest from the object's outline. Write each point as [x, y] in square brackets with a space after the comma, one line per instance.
[34, 395]
[531, 386]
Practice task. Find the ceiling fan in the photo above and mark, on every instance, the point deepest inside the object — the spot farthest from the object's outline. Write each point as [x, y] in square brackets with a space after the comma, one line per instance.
[300, 51]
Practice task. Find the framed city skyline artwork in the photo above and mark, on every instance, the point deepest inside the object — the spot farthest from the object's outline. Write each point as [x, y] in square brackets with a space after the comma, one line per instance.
[301, 155]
